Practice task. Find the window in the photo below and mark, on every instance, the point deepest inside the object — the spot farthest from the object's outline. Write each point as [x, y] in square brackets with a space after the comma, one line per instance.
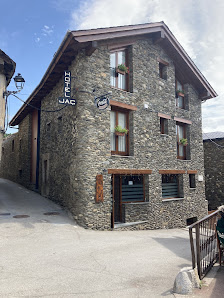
[118, 79]
[180, 95]
[172, 186]
[181, 134]
[163, 126]
[162, 68]
[119, 143]
[13, 145]
[132, 188]
[192, 181]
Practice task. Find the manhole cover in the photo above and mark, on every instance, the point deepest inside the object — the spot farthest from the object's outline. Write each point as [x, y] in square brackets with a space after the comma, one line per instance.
[51, 213]
[21, 216]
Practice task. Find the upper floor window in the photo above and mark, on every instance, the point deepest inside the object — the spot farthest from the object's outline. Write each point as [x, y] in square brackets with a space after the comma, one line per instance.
[119, 141]
[119, 78]
[162, 68]
[180, 103]
[181, 140]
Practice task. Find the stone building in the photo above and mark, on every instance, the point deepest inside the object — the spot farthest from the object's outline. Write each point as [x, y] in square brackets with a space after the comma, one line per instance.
[214, 168]
[149, 176]
[7, 69]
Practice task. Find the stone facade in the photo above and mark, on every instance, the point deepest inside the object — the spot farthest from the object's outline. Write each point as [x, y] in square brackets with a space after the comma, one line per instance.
[15, 164]
[75, 142]
[214, 172]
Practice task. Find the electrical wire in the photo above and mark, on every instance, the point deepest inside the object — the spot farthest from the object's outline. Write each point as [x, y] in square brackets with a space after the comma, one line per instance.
[39, 109]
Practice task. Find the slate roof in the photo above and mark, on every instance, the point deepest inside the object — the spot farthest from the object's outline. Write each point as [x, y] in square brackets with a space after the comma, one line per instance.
[213, 135]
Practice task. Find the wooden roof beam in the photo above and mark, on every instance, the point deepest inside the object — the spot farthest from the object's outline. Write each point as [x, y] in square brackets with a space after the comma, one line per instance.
[91, 48]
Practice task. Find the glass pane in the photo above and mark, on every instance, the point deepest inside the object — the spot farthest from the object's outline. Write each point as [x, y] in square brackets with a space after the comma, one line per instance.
[112, 60]
[121, 78]
[122, 139]
[180, 102]
[122, 143]
[112, 126]
[181, 132]
[181, 150]
[121, 58]
[122, 120]
[112, 70]
[122, 81]
[179, 86]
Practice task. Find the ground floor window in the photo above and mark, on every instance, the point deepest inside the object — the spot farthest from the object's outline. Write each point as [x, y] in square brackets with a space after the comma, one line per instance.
[132, 188]
[192, 181]
[172, 186]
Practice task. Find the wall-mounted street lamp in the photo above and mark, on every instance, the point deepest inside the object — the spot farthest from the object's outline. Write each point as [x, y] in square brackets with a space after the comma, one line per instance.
[19, 82]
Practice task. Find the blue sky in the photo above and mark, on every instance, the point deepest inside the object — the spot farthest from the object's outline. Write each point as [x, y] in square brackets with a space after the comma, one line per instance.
[31, 32]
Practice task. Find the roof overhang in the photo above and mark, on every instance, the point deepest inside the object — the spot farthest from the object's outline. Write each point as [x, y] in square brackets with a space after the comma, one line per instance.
[7, 66]
[186, 70]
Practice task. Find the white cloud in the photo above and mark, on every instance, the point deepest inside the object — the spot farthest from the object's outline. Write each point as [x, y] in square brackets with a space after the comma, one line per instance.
[197, 25]
[47, 31]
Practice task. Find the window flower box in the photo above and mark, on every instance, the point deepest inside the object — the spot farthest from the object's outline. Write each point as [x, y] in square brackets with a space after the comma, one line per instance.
[183, 142]
[122, 69]
[179, 93]
[118, 133]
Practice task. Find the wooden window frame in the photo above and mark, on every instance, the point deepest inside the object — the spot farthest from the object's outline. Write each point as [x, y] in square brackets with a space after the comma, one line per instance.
[125, 50]
[181, 95]
[162, 68]
[178, 175]
[143, 185]
[185, 136]
[126, 112]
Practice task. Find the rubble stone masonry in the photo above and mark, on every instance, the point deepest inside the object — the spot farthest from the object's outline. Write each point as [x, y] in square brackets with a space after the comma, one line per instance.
[75, 142]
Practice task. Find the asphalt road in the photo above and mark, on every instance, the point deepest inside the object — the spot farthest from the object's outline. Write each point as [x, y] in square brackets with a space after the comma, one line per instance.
[51, 256]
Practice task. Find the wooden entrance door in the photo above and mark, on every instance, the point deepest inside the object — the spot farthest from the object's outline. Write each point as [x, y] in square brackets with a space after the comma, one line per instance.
[117, 206]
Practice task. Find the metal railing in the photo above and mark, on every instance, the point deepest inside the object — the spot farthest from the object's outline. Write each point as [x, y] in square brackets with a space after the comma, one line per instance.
[204, 248]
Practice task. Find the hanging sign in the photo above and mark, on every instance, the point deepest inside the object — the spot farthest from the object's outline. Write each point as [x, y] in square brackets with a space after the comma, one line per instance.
[66, 99]
[102, 102]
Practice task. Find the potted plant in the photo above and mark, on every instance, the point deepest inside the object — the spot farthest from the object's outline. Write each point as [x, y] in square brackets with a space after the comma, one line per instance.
[122, 69]
[183, 142]
[119, 131]
[179, 93]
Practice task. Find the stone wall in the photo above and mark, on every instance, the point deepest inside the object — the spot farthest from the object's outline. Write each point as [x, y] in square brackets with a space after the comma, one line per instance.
[15, 164]
[214, 173]
[75, 142]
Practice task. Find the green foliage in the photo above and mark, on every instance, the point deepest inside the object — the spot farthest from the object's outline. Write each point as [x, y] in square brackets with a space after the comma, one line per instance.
[6, 135]
[183, 141]
[118, 128]
[123, 67]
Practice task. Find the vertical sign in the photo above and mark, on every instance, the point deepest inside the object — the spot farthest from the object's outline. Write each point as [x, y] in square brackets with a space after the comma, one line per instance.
[67, 84]
[99, 188]
[67, 90]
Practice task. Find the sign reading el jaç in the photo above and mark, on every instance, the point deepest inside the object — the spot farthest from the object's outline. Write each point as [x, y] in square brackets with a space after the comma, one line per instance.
[67, 91]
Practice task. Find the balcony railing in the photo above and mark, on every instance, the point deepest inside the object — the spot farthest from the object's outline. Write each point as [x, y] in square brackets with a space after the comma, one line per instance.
[204, 246]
